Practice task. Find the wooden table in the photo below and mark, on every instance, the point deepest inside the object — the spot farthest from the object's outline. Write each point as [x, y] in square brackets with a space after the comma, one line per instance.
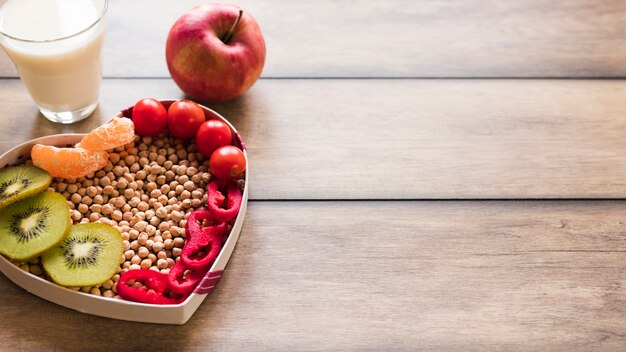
[426, 175]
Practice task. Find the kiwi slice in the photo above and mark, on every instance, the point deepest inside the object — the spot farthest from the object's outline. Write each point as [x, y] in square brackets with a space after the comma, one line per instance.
[19, 182]
[33, 225]
[90, 255]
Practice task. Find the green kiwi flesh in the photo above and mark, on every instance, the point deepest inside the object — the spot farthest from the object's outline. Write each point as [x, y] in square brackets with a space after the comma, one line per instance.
[20, 182]
[90, 255]
[33, 225]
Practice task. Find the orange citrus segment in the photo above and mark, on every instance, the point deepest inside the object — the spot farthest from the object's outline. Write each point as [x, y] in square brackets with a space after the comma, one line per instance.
[68, 162]
[115, 133]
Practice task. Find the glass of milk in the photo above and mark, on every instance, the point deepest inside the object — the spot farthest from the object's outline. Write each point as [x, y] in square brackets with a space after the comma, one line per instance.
[55, 46]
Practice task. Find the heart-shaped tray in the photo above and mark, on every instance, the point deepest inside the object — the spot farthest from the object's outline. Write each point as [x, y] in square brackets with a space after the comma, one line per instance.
[112, 307]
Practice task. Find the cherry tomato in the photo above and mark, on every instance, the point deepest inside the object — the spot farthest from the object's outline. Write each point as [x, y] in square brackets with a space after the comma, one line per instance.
[184, 117]
[149, 117]
[227, 162]
[212, 135]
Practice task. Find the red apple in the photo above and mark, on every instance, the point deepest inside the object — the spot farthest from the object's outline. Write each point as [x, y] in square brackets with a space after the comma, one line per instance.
[215, 52]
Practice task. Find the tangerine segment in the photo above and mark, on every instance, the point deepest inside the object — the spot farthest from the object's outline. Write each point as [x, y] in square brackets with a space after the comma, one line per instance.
[68, 162]
[115, 133]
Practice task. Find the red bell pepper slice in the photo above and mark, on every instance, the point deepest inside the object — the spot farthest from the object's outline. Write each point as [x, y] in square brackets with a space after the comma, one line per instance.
[224, 208]
[182, 280]
[203, 242]
[199, 253]
[153, 291]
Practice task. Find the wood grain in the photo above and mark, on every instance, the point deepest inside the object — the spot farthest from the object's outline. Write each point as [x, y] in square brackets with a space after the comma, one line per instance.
[396, 38]
[400, 139]
[372, 276]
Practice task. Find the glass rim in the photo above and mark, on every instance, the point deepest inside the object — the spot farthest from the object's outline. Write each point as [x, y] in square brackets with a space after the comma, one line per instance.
[101, 15]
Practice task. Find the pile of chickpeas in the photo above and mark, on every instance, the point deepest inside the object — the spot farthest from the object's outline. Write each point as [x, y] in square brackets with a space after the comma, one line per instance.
[146, 191]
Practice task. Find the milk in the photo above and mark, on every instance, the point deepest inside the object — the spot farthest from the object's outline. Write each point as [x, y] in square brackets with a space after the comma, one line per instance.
[60, 65]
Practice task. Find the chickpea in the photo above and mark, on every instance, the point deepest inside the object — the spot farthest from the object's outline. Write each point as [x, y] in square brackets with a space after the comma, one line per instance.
[129, 159]
[127, 216]
[169, 244]
[108, 284]
[169, 176]
[107, 209]
[161, 212]
[93, 217]
[158, 246]
[176, 252]
[185, 195]
[72, 188]
[117, 215]
[154, 221]
[129, 193]
[182, 179]
[164, 225]
[76, 198]
[162, 255]
[155, 193]
[196, 203]
[151, 186]
[160, 180]
[135, 259]
[143, 252]
[118, 171]
[146, 264]
[143, 206]
[129, 254]
[133, 234]
[122, 183]
[108, 190]
[87, 200]
[142, 239]
[175, 231]
[178, 242]
[189, 186]
[105, 181]
[133, 201]
[83, 208]
[162, 264]
[98, 199]
[141, 225]
[95, 208]
[119, 202]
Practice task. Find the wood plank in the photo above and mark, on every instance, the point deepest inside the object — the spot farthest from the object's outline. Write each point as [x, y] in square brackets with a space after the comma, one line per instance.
[392, 139]
[380, 276]
[396, 38]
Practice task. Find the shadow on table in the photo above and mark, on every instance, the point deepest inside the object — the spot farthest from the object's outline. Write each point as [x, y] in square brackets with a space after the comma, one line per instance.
[29, 321]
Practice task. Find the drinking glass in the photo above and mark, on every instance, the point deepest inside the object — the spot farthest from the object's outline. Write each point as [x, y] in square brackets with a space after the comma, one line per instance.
[55, 46]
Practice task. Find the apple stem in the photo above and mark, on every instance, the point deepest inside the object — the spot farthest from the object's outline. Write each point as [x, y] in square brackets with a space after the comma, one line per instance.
[231, 31]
